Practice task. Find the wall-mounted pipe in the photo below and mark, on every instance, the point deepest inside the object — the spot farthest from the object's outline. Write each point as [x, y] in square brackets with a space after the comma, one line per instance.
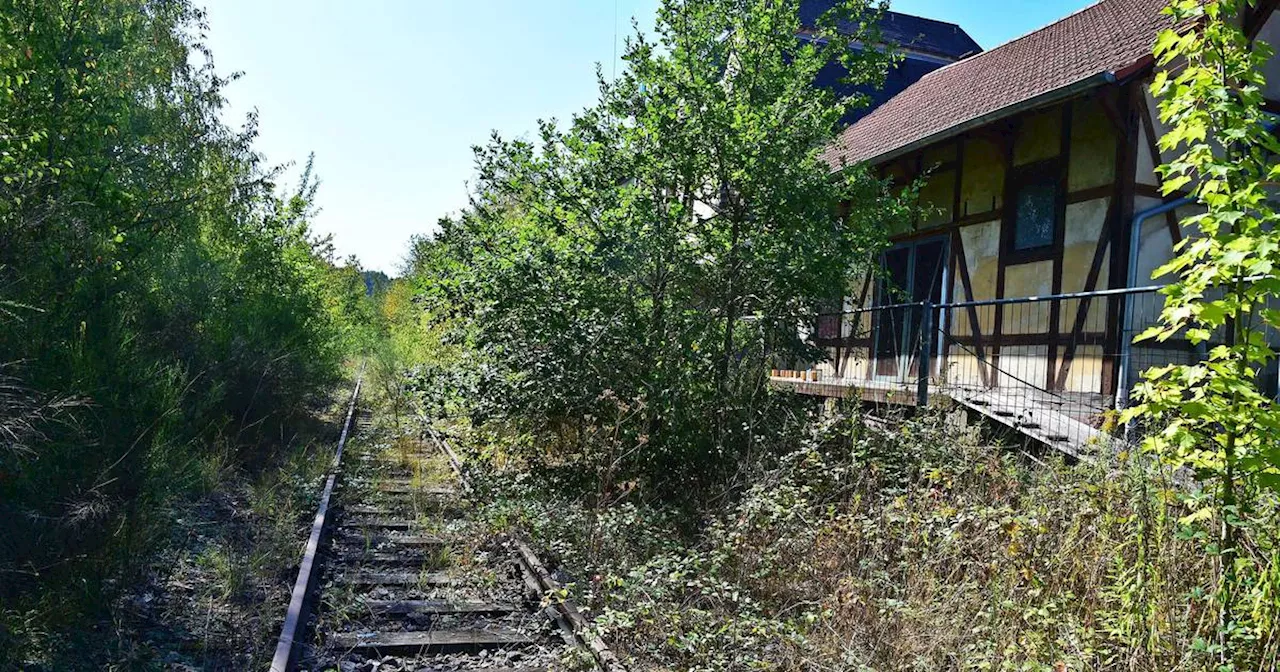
[1126, 342]
[1135, 236]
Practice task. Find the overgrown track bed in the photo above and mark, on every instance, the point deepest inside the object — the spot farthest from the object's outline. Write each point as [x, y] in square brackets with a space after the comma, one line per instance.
[407, 579]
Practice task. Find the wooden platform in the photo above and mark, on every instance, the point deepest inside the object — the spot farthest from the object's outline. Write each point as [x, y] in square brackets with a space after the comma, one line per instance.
[383, 523]
[1028, 413]
[1043, 416]
[875, 391]
[407, 486]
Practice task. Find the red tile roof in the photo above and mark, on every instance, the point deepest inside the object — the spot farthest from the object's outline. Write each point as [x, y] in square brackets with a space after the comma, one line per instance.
[1100, 39]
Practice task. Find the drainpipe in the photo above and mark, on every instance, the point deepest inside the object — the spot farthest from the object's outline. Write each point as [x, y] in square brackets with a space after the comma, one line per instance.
[1135, 237]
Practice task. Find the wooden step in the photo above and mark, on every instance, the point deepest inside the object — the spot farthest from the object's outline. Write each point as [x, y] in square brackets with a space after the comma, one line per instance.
[396, 578]
[396, 459]
[431, 641]
[406, 607]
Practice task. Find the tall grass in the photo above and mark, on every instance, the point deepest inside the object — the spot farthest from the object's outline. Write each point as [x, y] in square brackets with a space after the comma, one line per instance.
[918, 549]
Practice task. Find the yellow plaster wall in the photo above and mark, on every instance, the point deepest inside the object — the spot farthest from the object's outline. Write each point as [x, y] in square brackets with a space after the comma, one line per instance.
[1085, 374]
[938, 154]
[1092, 159]
[855, 362]
[1033, 279]
[1085, 221]
[1023, 363]
[1155, 247]
[964, 368]
[1270, 34]
[1039, 137]
[982, 182]
[981, 251]
[1145, 167]
[850, 365]
[936, 198]
[900, 178]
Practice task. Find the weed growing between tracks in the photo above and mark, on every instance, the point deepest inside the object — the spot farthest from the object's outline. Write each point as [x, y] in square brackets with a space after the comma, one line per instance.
[213, 592]
[919, 549]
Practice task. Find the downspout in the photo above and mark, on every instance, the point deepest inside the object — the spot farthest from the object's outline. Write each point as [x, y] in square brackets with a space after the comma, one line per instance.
[1135, 237]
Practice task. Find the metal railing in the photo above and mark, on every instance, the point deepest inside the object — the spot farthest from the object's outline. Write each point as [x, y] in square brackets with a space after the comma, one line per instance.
[1049, 364]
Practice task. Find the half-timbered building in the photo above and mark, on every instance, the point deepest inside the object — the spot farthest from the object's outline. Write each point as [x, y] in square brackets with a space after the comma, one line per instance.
[1036, 161]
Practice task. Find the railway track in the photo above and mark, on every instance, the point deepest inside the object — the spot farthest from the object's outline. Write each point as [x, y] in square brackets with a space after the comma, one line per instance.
[399, 575]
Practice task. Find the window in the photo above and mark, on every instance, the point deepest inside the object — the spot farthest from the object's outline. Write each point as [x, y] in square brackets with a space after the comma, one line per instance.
[829, 325]
[1035, 211]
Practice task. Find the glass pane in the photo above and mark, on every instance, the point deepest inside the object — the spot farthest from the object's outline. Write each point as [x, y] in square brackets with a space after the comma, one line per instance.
[927, 282]
[926, 285]
[1034, 224]
[890, 324]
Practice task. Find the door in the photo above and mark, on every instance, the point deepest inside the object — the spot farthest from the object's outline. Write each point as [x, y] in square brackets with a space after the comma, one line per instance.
[911, 273]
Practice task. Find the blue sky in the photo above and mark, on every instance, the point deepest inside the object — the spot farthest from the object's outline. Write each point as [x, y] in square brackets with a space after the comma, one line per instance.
[392, 94]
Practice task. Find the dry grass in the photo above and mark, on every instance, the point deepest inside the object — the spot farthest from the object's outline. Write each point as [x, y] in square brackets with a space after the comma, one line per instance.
[920, 550]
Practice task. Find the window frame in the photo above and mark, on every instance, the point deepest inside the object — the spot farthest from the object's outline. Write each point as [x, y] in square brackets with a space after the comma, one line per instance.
[1049, 170]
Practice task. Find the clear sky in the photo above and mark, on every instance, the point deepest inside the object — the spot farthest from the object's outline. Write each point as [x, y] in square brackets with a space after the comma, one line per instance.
[392, 94]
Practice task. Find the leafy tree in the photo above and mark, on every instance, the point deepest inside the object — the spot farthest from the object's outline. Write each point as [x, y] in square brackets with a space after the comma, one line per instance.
[163, 302]
[1214, 416]
[626, 280]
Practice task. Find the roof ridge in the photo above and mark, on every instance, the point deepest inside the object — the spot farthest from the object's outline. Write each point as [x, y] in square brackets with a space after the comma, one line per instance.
[1084, 46]
[1019, 38]
[925, 18]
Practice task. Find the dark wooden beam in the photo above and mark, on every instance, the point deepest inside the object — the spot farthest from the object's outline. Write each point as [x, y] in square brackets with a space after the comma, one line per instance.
[1040, 338]
[1059, 237]
[1090, 284]
[1256, 17]
[956, 248]
[975, 328]
[427, 641]
[1149, 130]
[1118, 271]
[997, 324]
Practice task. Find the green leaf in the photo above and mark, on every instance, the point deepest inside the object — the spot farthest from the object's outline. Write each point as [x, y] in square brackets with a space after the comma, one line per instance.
[1197, 516]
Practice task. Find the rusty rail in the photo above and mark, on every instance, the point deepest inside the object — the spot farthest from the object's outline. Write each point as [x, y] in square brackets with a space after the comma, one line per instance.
[566, 612]
[295, 621]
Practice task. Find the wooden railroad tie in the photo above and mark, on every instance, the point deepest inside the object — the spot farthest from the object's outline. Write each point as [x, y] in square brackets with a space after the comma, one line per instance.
[397, 579]
[403, 486]
[407, 607]
[383, 523]
[364, 537]
[430, 641]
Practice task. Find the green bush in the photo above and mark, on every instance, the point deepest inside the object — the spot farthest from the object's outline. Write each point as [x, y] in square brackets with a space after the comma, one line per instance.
[164, 307]
[919, 549]
[620, 286]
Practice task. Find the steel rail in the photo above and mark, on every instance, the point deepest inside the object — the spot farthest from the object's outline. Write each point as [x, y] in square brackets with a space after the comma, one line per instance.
[566, 612]
[295, 621]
